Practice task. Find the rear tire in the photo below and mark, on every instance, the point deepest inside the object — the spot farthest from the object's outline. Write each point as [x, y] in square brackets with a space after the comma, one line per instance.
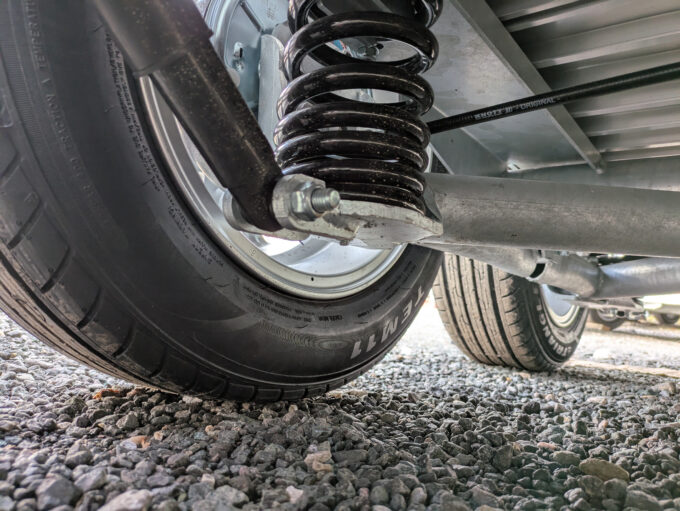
[102, 257]
[667, 319]
[499, 319]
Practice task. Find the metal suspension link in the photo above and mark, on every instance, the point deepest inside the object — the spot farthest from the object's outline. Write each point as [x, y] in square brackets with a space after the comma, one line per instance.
[170, 43]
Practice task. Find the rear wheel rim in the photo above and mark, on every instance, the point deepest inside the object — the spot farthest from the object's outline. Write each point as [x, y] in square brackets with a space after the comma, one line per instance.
[315, 268]
[561, 311]
[670, 319]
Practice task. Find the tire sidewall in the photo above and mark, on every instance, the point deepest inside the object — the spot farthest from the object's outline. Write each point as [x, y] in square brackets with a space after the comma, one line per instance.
[556, 343]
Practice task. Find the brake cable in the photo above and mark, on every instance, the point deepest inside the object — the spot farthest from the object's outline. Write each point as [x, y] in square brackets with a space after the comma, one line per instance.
[611, 85]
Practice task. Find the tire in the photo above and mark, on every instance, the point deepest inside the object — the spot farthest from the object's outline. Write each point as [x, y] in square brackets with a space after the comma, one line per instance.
[502, 320]
[101, 257]
[666, 318]
[604, 322]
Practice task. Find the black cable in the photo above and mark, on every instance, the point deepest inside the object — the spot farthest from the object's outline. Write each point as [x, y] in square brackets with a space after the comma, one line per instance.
[599, 88]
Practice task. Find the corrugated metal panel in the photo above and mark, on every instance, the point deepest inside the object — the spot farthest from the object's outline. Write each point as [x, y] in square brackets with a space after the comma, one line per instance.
[577, 41]
[471, 74]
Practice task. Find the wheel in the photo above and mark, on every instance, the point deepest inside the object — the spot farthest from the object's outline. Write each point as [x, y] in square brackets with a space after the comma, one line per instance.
[113, 248]
[499, 319]
[606, 321]
[667, 319]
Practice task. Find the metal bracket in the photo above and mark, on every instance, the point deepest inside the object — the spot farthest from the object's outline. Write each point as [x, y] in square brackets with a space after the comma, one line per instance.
[357, 223]
[361, 223]
[234, 215]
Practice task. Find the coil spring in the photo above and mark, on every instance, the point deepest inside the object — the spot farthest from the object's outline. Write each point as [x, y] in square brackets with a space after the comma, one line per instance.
[366, 151]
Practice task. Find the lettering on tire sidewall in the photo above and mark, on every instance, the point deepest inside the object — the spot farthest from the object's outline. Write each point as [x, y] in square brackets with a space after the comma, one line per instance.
[388, 328]
[275, 310]
[561, 341]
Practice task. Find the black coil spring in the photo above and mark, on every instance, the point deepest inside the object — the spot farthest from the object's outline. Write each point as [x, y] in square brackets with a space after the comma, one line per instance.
[367, 151]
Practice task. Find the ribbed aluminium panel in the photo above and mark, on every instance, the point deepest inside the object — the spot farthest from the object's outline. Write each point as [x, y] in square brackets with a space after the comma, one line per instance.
[577, 41]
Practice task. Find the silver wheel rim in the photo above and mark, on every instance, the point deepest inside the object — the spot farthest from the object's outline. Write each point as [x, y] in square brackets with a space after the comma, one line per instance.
[560, 310]
[315, 268]
[608, 317]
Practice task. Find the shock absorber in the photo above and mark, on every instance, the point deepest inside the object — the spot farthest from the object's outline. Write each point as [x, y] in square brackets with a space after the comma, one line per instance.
[367, 151]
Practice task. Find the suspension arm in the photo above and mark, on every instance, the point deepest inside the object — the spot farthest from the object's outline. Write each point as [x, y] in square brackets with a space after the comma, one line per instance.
[486, 211]
[502, 224]
[170, 43]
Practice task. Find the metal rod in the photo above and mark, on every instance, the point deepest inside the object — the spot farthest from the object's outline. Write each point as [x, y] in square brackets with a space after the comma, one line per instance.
[641, 277]
[170, 43]
[574, 274]
[607, 86]
[568, 272]
[541, 215]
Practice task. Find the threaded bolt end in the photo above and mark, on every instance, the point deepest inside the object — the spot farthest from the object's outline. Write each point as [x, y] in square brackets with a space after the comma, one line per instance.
[325, 199]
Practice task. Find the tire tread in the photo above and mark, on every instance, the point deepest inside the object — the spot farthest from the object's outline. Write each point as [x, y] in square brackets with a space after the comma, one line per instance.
[486, 314]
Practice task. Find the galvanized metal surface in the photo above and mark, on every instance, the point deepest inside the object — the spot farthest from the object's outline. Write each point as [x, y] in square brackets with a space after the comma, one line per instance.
[642, 277]
[576, 275]
[496, 212]
[652, 173]
[365, 224]
[485, 23]
[578, 218]
[471, 75]
[567, 272]
[577, 41]
[272, 83]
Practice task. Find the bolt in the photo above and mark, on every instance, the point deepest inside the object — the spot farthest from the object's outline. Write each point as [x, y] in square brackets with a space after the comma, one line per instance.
[370, 50]
[310, 202]
[238, 57]
[325, 199]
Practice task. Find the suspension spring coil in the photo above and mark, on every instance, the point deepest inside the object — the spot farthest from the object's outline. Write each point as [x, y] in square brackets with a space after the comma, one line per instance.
[375, 152]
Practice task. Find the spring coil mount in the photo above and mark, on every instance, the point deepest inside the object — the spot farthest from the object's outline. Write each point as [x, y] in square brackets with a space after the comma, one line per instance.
[373, 152]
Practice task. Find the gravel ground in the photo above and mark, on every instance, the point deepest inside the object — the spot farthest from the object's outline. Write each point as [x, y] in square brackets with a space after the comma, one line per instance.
[426, 429]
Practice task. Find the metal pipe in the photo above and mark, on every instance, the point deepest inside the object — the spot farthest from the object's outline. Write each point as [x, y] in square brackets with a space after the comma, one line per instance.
[641, 277]
[559, 97]
[568, 272]
[637, 278]
[650, 173]
[170, 42]
[515, 261]
[571, 273]
[497, 212]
